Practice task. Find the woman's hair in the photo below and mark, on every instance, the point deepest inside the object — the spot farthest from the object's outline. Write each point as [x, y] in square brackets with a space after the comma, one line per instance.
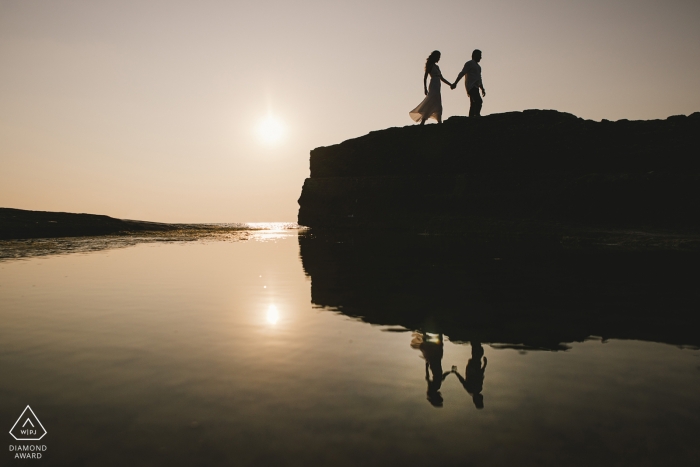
[434, 57]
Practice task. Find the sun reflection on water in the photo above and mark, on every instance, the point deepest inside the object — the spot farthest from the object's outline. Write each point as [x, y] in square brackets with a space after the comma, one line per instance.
[266, 231]
[273, 315]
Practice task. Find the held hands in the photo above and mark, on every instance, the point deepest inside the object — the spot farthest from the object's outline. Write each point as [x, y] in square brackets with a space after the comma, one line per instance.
[453, 85]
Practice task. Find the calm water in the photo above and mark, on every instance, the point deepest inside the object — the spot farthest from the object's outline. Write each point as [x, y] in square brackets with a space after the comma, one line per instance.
[263, 348]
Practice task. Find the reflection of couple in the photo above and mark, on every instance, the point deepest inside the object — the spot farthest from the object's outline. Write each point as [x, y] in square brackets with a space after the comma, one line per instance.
[473, 380]
[431, 107]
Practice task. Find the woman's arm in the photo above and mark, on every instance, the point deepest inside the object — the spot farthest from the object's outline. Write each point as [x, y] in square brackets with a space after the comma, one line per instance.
[445, 81]
[425, 82]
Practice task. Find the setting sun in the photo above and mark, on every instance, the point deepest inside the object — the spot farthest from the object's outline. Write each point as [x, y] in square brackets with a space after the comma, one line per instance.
[270, 130]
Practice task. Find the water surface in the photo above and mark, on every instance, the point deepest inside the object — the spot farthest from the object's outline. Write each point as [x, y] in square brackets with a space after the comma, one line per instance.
[218, 352]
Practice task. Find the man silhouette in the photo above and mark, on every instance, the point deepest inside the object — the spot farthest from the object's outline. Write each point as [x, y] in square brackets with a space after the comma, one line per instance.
[472, 71]
[473, 380]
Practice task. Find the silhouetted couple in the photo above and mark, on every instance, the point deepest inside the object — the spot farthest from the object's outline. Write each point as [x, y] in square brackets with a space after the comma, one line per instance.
[431, 107]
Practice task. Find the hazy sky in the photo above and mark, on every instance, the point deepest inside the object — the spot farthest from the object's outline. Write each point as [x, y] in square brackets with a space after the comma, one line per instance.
[150, 109]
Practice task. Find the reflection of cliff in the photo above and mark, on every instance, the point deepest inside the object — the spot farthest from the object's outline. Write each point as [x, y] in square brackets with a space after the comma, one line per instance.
[546, 167]
[521, 294]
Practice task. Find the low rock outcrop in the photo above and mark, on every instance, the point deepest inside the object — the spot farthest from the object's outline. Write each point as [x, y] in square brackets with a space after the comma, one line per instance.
[19, 223]
[531, 169]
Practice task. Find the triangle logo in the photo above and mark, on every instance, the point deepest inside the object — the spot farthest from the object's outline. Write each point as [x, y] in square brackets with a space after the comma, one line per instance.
[28, 427]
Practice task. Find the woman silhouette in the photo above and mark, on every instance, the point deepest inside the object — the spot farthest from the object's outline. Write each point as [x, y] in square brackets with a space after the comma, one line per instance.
[432, 350]
[432, 104]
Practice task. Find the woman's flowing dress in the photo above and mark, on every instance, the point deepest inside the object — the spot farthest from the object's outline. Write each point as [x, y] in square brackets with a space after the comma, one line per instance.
[432, 104]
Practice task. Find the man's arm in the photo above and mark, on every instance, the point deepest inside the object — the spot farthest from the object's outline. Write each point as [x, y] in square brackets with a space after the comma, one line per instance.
[481, 85]
[464, 73]
[459, 76]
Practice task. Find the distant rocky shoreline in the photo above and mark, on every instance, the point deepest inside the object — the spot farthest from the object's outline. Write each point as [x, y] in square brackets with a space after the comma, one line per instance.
[19, 223]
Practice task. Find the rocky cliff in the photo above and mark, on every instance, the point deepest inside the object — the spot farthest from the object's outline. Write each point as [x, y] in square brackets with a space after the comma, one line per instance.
[531, 168]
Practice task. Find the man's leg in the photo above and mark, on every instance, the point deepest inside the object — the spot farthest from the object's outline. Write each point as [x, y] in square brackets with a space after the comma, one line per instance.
[479, 102]
[471, 103]
[475, 102]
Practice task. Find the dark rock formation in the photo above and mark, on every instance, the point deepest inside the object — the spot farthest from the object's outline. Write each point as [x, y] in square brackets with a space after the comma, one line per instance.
[18, 223]
[532, 168]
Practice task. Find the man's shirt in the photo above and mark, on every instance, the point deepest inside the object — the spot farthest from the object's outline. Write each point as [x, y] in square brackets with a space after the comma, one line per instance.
[472, 70]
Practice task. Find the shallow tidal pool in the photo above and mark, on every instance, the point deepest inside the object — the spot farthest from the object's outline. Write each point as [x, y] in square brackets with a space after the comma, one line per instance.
[213, 352]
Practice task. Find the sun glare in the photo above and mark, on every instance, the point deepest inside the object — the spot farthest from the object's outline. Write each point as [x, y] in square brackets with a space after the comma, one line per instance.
[272, 315]
[270, 130]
